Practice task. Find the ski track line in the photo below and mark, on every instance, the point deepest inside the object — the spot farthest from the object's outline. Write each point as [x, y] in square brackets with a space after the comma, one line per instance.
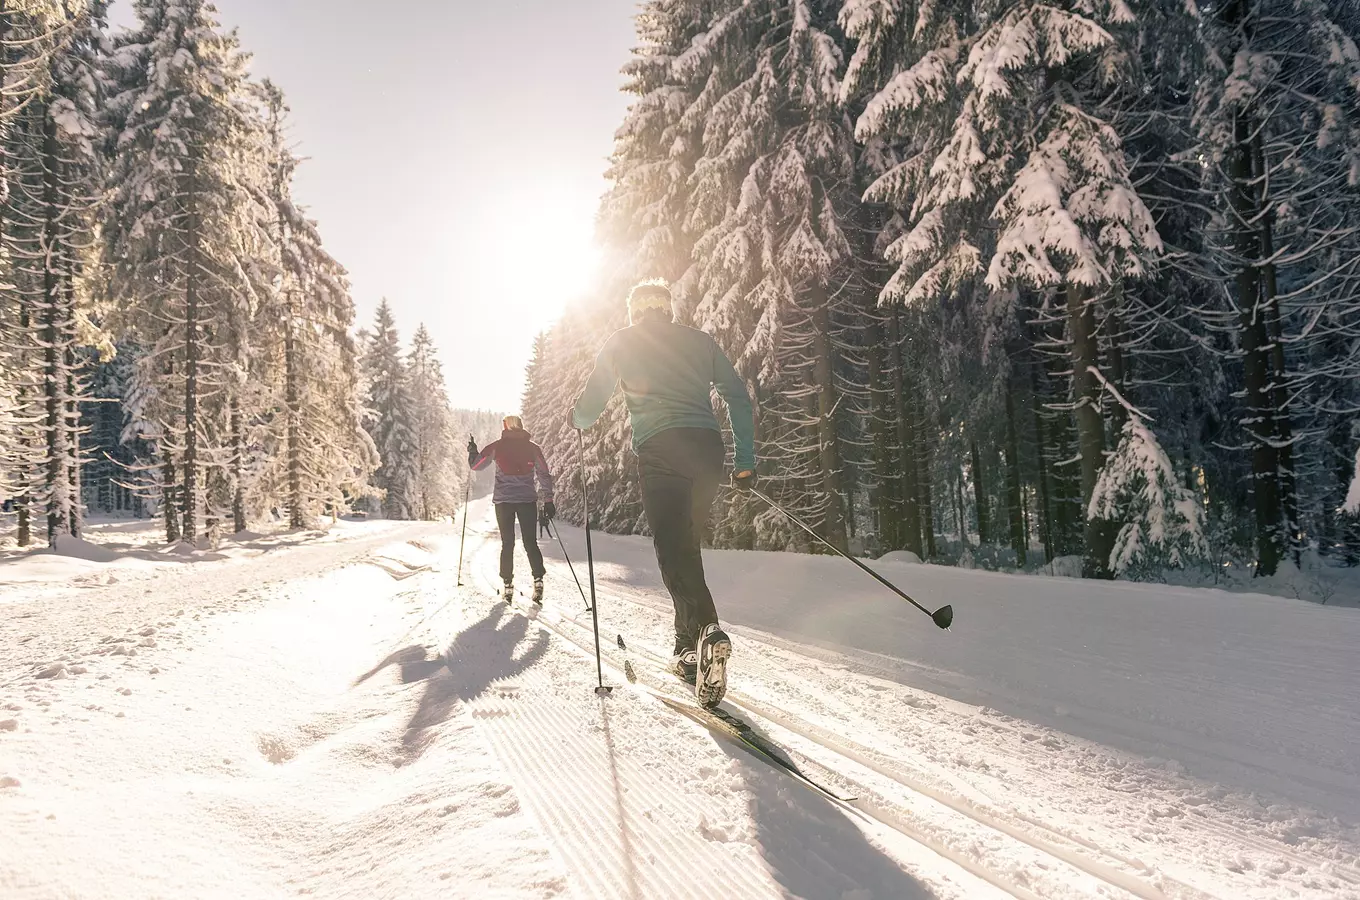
[593, 816]
[861, 809]
[1114, 877]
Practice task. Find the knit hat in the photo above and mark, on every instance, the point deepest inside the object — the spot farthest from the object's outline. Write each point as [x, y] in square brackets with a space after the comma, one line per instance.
[649, 295]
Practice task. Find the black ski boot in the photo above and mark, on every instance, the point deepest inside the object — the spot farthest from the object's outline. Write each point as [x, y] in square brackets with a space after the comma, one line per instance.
[713, 652]
[538, 591]
[508, 592]
[684, 661]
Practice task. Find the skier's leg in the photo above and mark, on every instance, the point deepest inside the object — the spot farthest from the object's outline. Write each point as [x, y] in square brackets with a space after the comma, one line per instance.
[528, 522]
[713, 647]
[666, 501]
[707, 454]
[505, 520]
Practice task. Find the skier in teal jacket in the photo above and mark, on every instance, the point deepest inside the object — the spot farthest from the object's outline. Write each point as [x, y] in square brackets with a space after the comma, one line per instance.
[667, 372]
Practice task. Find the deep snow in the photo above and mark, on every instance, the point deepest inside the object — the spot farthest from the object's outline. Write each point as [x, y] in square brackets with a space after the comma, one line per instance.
[329, 715]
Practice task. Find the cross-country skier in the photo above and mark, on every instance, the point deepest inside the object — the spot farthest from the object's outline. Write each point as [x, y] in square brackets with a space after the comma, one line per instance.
[668, 372]
[519, 461]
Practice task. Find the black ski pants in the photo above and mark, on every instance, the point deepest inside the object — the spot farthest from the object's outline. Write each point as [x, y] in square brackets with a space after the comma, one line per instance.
[681, 469]
[527, 514]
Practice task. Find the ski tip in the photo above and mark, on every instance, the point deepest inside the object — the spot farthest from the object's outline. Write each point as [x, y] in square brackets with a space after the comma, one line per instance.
[629, 672]
[619, 641]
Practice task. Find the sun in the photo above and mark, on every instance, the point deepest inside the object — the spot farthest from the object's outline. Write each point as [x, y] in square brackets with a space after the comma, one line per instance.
[542, 250]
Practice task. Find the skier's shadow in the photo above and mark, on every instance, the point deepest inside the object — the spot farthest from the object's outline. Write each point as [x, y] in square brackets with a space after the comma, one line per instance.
[811, 847]
[481, 655]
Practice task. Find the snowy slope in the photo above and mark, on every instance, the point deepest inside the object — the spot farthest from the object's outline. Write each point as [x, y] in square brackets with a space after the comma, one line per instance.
[336, 718]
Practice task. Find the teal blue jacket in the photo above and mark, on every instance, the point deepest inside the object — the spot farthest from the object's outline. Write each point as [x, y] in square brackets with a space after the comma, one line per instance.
[667, 371]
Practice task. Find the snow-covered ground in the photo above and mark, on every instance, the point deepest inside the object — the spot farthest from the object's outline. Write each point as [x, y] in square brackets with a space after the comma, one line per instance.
[330, 715]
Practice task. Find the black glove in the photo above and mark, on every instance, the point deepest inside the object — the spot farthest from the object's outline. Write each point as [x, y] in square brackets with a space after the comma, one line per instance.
[744, 481]
[549, 511]
[473, 452]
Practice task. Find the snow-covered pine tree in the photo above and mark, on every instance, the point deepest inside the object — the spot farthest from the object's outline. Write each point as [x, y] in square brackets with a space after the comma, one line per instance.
[1275, 114]
[182, 227]
[321, 455]
[28, 36]
[439, 459]
[390, 412]
[55, 178]
[1000, 112]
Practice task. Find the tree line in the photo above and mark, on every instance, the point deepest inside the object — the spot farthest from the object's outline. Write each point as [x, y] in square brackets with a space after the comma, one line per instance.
[1022, 280]
[174, 337]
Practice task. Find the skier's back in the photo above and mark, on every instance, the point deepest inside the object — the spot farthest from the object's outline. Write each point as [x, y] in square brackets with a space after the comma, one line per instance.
[667, 372]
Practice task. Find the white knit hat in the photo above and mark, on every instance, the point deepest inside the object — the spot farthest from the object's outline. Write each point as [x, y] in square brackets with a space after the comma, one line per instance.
[648, 295]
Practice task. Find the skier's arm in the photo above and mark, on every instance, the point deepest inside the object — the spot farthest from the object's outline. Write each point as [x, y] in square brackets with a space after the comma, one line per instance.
[599, 388]
[545, 484]
[484, 458]
[740, 412]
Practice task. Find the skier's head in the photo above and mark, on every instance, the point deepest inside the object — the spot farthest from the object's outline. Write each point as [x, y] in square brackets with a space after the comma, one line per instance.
[512, 423]
[649, 299]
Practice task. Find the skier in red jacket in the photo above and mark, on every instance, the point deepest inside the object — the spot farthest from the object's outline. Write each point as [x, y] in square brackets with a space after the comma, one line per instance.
[519, 463]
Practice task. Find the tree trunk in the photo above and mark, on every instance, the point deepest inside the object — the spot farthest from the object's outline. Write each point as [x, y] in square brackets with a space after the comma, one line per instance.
[926, 448]
[1090, 425]
[980, 496]
[826, 423]
[884, 499]
[909, 511]
[1256, 363]
[1279, 393]
[74, 467]
[291, 375]
[1045, 512]
[191, 358]
[58, 483]
[1019, 538]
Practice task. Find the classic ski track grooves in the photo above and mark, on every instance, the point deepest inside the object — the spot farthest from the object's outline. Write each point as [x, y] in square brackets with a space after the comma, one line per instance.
[858, 808]
[547, 793]
[1108, 874]
[865, 757]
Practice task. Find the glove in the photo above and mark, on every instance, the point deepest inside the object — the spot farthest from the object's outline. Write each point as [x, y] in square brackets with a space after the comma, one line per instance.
[744, 481]
[473, 452]
[549, 511]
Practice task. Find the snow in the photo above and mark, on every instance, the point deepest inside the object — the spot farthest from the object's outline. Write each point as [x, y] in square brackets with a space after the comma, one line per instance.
[333, 717]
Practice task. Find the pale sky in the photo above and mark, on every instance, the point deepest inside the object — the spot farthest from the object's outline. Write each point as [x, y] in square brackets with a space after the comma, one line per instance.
[456, 152]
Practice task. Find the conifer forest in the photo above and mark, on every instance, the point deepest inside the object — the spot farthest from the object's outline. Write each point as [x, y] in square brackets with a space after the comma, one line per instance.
[1012, 281]
[175, 339]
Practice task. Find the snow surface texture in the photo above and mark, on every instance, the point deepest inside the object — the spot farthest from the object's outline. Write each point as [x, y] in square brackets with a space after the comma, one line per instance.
[335, 718]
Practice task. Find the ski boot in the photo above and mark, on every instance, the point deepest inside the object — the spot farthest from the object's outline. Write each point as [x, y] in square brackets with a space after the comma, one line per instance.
[508, 592]
[684, 661]
[538, 592]
[713, 652]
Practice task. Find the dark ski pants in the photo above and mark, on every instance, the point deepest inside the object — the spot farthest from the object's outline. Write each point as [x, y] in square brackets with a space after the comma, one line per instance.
[681, 469]
[527, 514]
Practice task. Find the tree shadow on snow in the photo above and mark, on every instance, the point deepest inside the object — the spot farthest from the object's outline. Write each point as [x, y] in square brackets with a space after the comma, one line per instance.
[481, 655]
[811, 847]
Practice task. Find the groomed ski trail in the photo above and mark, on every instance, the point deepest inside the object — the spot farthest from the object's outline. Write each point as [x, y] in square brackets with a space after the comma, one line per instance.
[964, 847]
[1013, 850]
[640, 802]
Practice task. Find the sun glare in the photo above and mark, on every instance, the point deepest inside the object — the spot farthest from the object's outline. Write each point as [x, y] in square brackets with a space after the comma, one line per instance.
[540, 249]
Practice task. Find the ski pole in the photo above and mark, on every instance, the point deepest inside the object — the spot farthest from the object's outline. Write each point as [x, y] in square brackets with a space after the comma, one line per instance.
[558, 534]
[467, 498]
[943, 617]
[601, 689]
